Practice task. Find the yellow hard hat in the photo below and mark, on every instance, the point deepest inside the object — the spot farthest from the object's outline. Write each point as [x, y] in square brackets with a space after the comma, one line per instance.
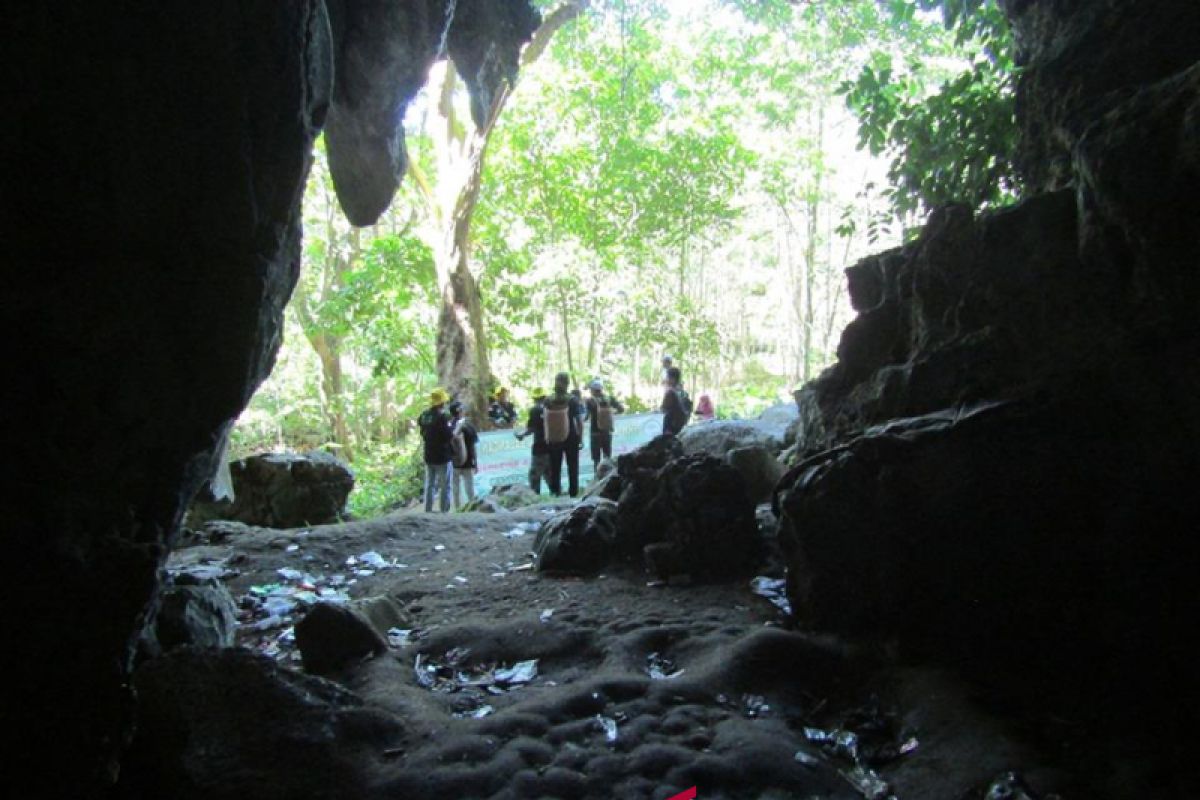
[439, 396]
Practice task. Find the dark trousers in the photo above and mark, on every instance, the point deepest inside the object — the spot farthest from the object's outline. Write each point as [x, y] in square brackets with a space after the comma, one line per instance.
[570, 449]
[601, 445]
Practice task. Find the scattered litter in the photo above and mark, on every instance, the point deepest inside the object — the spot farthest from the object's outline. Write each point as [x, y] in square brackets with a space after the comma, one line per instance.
[515, 533]
[546, 615]
[867, 782]
[867, 738]
[201, 573]
[807, 759]
[774, 589]
[478, 713]
[499, 574]
[1008, 786]
[755, 704]
[439, 547]
[521, 672]
[609, 726]
[522, 567]
[400, 637]
[273, 606]
[661, 668]
[453, 673]
[460, 579]
[291, 548]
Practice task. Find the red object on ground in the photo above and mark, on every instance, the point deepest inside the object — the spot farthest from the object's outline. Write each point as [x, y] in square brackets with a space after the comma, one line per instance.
[687, 794]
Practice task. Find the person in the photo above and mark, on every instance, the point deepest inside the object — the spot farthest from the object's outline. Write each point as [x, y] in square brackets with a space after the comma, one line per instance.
[676, 405]
[562, 421]
[435, 425]
[667, 363]
[600, 410]
[539, 453]
[463, 441]
[501, 411]
[705, 410]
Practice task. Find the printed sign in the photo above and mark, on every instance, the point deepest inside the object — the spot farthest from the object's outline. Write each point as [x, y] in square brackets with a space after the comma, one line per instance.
[504, 459]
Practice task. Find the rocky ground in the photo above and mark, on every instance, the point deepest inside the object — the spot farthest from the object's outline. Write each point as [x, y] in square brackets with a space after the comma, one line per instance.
[498, 682]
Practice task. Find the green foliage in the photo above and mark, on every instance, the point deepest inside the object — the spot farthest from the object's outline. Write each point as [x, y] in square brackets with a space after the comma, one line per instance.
[387, 476]
[951, 138]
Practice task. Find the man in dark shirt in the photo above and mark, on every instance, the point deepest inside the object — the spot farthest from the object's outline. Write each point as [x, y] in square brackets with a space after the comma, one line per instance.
[600, 410]
[563, 421]
[539, 453]
[436, 431]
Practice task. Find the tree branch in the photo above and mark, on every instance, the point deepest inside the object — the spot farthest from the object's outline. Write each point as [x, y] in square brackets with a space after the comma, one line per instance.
[551, 23]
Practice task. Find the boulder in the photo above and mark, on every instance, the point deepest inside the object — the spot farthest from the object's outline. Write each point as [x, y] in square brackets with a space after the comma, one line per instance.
[331, 636]
[579, 541]
[695, 518]
[718, 437]
[759, 468]
[203, 615]
[231, 723]
[282, 490]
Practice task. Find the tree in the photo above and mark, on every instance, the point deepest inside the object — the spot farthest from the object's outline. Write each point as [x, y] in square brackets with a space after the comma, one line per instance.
[451, 194]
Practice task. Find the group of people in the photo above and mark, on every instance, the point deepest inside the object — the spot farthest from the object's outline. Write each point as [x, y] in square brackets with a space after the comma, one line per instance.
[556, 422]
[449, 440]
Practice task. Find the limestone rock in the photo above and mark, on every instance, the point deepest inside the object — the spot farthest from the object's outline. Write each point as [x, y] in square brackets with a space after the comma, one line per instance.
[229, 724]
[695, 518]
[204, 616]
[331, 636]
[718, 437]
[579, 541]
[759, 468]
[283, 490]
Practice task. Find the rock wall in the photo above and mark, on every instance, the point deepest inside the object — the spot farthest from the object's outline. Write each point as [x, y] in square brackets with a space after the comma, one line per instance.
[998, 471]
[154, 165]
[153, 168]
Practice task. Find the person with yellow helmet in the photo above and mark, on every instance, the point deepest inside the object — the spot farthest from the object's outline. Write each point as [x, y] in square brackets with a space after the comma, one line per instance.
[436, 433]
[501, 411]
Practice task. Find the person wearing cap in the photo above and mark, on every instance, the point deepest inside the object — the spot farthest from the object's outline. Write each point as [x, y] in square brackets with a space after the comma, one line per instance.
[539, 453]
[667, 363]
[436, 432]
[463, 440]
[501, 411]
[600, 410]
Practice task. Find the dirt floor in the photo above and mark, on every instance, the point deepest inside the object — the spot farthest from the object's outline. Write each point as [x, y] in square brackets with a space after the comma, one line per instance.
[635, 690]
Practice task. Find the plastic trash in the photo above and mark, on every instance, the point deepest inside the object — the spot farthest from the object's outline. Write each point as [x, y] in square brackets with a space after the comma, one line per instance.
[807, 759]
[755, 704]
[546, 614]
[609, 726]
[373, 559]
[478, 713]
[774, 589]
[661, 668]
[1008, 786]
[439, 548]
[521, 672]
[515, 533]
[867, 782]
[400, 637]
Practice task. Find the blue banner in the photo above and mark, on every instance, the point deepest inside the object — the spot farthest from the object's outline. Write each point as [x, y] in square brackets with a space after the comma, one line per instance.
[503, 459]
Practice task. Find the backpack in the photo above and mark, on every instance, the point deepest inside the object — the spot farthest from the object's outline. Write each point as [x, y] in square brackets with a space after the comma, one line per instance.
[458, 444]
[604, 416]
[556, 421]
[685, 403]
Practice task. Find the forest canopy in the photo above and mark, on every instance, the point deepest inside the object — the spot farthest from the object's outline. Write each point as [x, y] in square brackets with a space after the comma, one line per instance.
[667, 176]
